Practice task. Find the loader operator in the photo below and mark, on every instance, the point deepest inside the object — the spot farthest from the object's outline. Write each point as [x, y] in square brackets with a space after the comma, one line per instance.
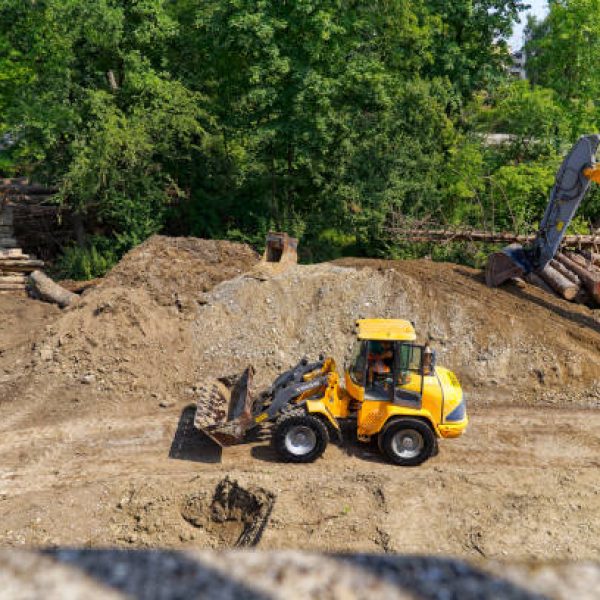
[380, 361]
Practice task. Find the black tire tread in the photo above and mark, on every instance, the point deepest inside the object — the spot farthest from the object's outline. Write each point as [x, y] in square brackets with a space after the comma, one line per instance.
[294, 417]
[385, 437]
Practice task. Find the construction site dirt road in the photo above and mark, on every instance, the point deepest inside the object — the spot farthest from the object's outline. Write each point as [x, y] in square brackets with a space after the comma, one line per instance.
[97, 448]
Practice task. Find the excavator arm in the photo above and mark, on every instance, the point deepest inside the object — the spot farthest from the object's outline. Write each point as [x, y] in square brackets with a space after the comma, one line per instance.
[571, 184]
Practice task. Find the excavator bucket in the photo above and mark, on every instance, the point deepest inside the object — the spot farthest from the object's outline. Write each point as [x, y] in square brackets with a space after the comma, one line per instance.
[224, 408]
[504, 265]
[281, 248]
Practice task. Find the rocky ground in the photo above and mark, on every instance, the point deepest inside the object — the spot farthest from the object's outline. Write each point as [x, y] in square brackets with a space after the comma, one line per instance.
[97, 448]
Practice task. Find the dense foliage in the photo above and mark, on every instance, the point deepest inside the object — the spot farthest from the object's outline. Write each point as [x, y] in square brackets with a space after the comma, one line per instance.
[329, 118]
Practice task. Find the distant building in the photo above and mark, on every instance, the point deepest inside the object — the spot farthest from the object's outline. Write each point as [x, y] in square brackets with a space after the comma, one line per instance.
[517, 68]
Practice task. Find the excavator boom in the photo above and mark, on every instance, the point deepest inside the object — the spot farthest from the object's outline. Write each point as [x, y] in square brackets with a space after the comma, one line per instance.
[571, 184]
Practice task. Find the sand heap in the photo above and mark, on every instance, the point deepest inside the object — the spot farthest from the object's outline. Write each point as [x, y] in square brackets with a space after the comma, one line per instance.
[173, 270]
[130, 336]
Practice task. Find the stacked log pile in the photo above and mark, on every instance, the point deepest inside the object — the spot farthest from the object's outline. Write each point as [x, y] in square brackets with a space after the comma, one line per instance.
[407, 235]
[40, 225]
[15, 266]
[573, 276]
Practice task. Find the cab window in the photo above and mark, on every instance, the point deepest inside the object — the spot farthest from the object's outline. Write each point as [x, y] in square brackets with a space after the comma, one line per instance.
[358, 363]
[408, 370]
[409, 359]
[380, 368]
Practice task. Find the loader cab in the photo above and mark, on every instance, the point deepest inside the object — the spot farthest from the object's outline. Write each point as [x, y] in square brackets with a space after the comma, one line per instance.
[388, 372]
[386, 365]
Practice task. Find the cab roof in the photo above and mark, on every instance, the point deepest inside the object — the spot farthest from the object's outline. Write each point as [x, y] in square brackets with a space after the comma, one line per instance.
[385, 329]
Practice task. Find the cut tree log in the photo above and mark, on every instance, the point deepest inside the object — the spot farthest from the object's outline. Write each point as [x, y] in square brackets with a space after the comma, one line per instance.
[559, 283]
[539, 282]
[14, 278]
[42, 287]
[7, 216]
[593, 257]
[453, 235]
[591, 281]
[21, 185]
[21, 265]
[581, 260]
[565, 271]
[12, 253]
[7, 287]
[33, 200]
[8, 242]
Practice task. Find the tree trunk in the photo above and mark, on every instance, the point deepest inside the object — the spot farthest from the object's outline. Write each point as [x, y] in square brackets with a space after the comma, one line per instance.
[591, 281]
[79, 229]
[44, 288]
[112, 81]
[539, 282]
[565, 271]
[581, 260]
[559, 283]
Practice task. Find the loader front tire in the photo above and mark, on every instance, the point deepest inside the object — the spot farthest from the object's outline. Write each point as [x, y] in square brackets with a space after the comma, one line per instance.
[407, 442]
[300, 438]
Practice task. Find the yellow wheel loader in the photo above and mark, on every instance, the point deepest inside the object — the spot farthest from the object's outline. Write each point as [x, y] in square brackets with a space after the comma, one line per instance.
[393, 393]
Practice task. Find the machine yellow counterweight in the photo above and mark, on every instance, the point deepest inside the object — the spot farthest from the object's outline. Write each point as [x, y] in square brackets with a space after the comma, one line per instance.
[393, 392]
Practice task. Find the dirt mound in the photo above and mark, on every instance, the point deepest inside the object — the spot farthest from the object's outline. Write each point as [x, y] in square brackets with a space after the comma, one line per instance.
[129, 338]
[141, 339]
[171, 269]
[505, 342]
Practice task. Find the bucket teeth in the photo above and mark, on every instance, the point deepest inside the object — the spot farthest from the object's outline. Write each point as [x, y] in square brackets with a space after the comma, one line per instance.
[212, 404]
[225, 412]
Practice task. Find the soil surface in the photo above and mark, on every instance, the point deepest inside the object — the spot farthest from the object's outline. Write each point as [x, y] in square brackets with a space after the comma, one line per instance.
[97, 446]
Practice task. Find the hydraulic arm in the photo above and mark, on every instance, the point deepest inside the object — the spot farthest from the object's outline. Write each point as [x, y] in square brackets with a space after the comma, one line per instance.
[571, 184]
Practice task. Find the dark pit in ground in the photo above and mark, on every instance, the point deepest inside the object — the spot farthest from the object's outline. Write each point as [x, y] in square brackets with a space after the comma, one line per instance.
[236, 516]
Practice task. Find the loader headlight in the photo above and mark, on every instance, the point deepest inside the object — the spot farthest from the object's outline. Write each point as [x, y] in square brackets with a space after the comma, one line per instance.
[458, 413]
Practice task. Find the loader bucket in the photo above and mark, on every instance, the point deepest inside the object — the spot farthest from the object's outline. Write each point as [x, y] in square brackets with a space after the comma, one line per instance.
[281, 253]
[502, 266]
[281, 248]
[224, 408]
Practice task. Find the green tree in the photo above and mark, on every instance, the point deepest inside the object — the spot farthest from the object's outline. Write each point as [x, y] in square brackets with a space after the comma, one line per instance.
[563, 54]
[231, 117]
[469, 44]
[325, 120]
[101, 114]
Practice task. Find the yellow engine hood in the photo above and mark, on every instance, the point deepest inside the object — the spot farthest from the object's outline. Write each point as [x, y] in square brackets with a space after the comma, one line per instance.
[452, 391]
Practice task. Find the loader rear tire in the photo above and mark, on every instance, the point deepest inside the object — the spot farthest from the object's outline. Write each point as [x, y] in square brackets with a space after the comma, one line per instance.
[407, 442]
[300, 438]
